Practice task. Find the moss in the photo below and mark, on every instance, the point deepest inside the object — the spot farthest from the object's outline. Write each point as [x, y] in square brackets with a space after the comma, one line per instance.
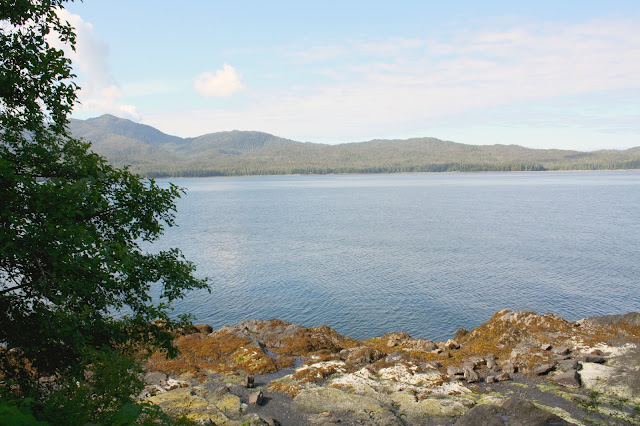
[222, 353]
[286, 386]
[559, 412]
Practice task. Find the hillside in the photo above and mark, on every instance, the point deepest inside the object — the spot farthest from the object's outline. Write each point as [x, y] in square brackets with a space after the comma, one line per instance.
[152, 153]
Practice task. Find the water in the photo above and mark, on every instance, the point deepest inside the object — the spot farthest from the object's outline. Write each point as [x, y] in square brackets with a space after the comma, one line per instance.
[422, 253]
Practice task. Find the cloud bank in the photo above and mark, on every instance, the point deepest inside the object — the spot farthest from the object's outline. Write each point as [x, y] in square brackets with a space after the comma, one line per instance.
[98, 90]
[223, 83]
[405, 87]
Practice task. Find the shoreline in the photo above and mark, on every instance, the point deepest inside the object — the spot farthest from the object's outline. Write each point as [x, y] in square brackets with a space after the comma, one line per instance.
[402, 173]
[317, 376]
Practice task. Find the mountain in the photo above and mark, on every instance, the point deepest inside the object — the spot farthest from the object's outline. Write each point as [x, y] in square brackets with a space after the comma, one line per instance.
[153, 153]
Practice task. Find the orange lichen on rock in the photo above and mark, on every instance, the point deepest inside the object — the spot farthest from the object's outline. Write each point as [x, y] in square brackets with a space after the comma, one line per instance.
[310, 340]
[226, 353]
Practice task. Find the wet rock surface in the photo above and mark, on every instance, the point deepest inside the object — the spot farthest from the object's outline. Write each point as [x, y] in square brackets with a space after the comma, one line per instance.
[517, 368]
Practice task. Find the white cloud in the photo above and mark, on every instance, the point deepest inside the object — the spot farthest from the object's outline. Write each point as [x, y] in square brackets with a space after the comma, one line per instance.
[223, 83]
[99, 93]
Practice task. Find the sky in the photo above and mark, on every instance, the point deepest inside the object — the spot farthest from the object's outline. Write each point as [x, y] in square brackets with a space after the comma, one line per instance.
[541, 74]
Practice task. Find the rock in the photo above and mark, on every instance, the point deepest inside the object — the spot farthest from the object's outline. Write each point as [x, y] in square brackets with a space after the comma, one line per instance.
[478, 360]
[545, 347]
[525, 412]
[396, 357]
[175, 384]
[256, 398]
[543, 369]
[156, 378]
[561, 350]
[248, 381]
[255, 420]
[181, 402]
[567, 364]
[561, 357]
[598, 359]
[432, 365]
[632, 318]
[454, 371]
[216, 391]
[503, 376]
[362, 355]
[482, 415]
[491, 364]
[452, 344]
[490, 379]
[509, 368]
[320, 399]
[468, 365]
[423, 345]
[395, 339]
[569, 379]
[471, 376]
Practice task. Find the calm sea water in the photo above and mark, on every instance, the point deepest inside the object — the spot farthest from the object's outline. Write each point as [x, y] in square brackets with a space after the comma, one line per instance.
[422, 253]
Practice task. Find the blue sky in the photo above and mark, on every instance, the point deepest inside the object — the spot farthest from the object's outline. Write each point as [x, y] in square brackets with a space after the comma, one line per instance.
[539, 74]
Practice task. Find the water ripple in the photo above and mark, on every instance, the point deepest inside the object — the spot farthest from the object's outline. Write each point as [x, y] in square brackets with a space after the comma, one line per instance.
[419, 253]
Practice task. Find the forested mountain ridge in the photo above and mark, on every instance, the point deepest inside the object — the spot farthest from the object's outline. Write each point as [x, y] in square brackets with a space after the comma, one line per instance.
[152, 153]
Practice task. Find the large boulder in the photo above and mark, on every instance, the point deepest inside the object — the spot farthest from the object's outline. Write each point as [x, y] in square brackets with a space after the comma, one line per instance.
[632, 318]
[514, 411]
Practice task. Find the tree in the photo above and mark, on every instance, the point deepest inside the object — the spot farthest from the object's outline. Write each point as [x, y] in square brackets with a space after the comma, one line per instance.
[75, 281]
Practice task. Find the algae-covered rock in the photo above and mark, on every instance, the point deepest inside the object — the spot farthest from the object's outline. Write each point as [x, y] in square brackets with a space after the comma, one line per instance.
[430, 407]
[182, 402]
[229, 404]
[318, 400]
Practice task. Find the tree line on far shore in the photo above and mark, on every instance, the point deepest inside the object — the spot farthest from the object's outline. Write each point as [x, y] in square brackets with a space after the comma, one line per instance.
[152, 153]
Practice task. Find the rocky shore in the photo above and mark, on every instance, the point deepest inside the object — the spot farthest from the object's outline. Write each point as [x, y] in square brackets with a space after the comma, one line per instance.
[518, 368]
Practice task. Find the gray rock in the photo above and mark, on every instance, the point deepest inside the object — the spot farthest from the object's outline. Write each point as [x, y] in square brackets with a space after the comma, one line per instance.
[543, 369]
[490, 379]
[569, 379]
[491, 364]
[216, 391]
[471, 376]
[545, 347]
[468, 365]
[509, 367]
[423, 345]
[632, 318]
[524, 412]
[567, 365]
[155, 378]
[396, 357]
[561, 357]
[561, 350]
[454, 371]
[482, 415]
[599, 359]
[432, 365]
[513, 412]
[478, 360]
[256, 398]
[503, 376]
[361, 355]
[452, 344]
[394, 339]
[248, 381]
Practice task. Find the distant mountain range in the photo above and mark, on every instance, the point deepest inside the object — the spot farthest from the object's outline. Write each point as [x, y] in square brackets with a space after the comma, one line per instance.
[152, 153]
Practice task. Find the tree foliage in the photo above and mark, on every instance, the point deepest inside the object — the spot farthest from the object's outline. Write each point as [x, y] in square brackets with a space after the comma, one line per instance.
[75, 281]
